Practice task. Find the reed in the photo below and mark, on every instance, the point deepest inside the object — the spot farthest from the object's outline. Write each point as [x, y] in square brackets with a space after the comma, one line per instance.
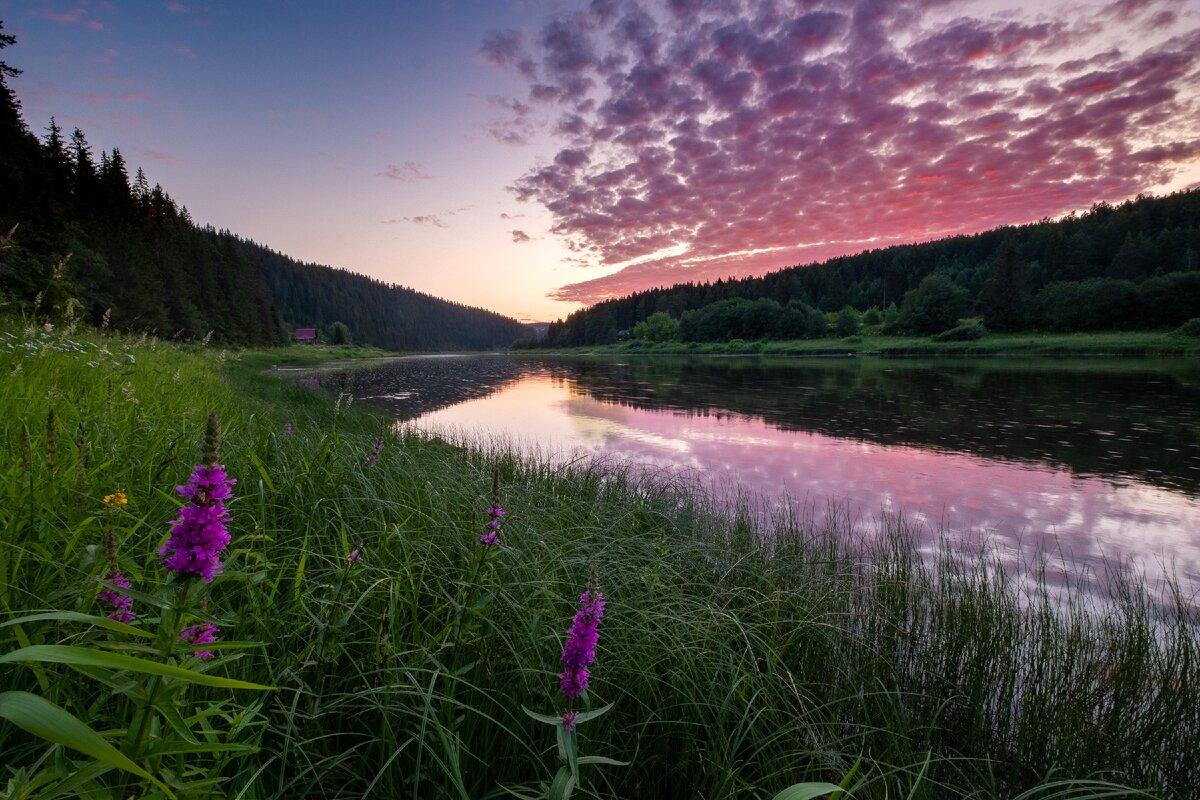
[741, 653]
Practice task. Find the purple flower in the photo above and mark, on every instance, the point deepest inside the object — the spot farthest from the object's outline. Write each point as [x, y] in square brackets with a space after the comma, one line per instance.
[355, 556]
[199, 536]
[580, 650]
[287, 429]
[203, 633]
[122, 604]
[376, 451]
[492, 535]
[568, 719]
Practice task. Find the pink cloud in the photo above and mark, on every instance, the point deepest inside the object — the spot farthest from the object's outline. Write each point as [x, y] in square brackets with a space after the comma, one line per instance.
[737, 140]
[408, 172]
[156, 155]
[74, 16]
[432, 220]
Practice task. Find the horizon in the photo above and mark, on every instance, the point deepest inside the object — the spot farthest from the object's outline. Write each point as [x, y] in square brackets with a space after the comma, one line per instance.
[535, 157]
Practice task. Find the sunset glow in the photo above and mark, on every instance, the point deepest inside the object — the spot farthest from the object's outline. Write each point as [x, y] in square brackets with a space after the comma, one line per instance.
[530, 157]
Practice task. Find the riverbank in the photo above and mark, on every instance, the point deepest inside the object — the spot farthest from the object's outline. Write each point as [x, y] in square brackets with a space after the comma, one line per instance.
[1120, 343]
[740, 654]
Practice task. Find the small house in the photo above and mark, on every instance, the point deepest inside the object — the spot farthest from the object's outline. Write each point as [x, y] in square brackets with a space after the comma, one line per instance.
[306, 335]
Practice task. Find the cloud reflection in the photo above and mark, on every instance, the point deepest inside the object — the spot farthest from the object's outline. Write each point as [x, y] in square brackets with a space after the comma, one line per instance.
[1025, 508]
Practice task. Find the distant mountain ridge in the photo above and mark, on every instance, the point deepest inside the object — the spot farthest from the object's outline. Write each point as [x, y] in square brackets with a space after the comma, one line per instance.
[81, 240]
[386, 315]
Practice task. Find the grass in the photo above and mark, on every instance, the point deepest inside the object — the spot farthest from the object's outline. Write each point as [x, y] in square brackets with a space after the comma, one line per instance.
[1108, 343]
[307, 355]
[741, 654]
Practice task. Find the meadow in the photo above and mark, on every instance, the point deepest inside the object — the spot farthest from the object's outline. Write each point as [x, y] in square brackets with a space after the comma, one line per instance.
[371, 643]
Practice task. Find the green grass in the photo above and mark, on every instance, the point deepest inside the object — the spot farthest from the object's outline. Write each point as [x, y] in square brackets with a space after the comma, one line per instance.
[1115, 343]
[742, 654]
[307, 355]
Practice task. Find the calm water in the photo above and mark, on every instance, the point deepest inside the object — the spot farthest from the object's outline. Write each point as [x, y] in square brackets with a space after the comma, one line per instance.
[1092, 458]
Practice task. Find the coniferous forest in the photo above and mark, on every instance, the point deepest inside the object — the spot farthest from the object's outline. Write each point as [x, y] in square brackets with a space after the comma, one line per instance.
[85, 239]
[1134, 266]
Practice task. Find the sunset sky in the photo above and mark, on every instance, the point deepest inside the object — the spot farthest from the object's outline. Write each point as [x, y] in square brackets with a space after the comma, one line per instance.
[530, 157]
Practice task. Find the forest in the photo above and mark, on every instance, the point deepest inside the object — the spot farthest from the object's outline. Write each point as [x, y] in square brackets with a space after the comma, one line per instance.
[82, 240]
[1132, 266]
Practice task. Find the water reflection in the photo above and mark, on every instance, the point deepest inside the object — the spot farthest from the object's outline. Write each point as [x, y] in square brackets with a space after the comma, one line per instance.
[1094, 458]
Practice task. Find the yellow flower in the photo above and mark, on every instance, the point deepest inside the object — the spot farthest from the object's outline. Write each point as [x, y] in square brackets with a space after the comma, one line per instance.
[115, 500]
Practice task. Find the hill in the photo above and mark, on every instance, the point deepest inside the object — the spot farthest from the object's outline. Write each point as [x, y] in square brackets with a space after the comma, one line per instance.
[1131, 266]
[82, 240]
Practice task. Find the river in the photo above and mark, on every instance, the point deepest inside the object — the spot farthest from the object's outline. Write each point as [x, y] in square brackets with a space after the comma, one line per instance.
[1093, 461]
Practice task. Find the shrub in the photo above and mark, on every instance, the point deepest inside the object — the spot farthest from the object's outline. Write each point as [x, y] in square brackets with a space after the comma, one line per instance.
[961, 333]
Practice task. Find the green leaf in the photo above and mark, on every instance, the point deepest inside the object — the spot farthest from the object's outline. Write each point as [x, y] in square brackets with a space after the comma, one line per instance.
[807, 791]
[563, 784]
[42, 718]
[66, 654]
[611, 762]
[175, 720]
[262, 470]
[844, 783]
[584, 716]
[82, 777]
[176, 748]
[75, 616]
[568, 749]
[118, 682]
[546, 718]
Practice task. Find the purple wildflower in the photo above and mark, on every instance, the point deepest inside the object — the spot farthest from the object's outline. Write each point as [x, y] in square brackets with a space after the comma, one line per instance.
[287, 429]
[199, 536]
[203, 633]
[355, 557]
[568, 719]
[122, 604]
[580, 650]
[492, 535]
[376, 451]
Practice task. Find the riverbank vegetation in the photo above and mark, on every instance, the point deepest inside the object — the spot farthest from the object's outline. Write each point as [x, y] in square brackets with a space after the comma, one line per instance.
[740, 654]
[1113, 343]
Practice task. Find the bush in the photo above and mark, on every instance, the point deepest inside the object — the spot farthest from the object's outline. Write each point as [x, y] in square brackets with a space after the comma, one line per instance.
[1093, 305]
[658, 327]
[846, 322]
[961, 333]
[936, 303]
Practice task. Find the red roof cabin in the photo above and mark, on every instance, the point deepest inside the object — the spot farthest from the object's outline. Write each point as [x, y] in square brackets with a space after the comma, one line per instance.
[306, 335]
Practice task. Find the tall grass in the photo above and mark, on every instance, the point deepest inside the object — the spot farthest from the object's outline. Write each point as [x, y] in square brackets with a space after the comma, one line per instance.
[742, 655]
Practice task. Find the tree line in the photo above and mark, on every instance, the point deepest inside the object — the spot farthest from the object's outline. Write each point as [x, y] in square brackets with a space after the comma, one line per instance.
[82, 239]
[1135, 265]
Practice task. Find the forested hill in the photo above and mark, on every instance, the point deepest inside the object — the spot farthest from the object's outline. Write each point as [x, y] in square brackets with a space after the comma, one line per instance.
[81, 239]
[1135, 265]
[386, 315]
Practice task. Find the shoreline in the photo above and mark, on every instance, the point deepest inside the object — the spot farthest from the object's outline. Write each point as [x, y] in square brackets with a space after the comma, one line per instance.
[1102, 345]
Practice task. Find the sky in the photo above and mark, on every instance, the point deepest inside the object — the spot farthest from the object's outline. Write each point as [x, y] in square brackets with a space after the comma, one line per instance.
[535, 156]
